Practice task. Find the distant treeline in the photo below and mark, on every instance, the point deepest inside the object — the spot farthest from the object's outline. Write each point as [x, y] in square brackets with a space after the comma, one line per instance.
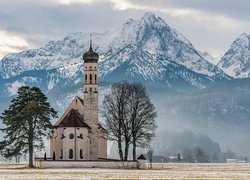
[187, 146]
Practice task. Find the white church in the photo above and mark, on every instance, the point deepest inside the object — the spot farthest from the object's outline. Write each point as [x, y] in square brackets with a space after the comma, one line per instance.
[78, 135]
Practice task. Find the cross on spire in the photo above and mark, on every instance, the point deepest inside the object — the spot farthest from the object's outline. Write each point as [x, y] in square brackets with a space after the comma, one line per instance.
[90, 42]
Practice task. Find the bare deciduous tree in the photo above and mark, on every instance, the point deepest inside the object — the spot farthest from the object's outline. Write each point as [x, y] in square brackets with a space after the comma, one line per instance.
[114, 112]
[130, 116]
[142, 117]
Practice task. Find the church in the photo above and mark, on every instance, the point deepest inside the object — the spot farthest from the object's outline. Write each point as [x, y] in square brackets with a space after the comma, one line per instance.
[78, 135]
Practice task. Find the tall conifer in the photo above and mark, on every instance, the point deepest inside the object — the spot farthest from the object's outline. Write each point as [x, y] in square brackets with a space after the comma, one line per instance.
[27, 122]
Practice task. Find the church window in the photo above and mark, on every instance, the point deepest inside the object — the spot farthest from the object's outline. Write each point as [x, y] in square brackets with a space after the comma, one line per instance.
[90, 90]
[82, 117]
[90, 78]
[62, 136]
[80, 136]
[61, 157]
[71, 136]
[81, 154]
[71, 154]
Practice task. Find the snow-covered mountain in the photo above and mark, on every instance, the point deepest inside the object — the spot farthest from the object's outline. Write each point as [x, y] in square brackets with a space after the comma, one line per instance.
[236, 61]
[210, 58]
[146, 49]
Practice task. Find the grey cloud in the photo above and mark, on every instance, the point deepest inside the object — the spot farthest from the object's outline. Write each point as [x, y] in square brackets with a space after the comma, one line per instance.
[239, 9]
[39, 22]
[43, 20]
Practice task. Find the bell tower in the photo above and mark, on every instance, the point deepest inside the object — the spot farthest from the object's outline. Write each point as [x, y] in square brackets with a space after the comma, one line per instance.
[91, 98]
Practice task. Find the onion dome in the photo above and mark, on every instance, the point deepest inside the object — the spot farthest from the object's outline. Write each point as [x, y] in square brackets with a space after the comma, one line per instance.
[90, 56]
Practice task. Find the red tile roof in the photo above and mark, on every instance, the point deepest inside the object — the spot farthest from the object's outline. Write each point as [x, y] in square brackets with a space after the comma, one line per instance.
[72, 119]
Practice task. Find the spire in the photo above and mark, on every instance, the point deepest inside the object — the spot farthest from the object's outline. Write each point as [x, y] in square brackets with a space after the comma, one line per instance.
[90, 42]
[90, 55]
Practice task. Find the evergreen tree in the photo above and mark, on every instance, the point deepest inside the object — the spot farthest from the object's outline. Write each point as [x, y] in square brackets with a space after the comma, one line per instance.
[27, 122]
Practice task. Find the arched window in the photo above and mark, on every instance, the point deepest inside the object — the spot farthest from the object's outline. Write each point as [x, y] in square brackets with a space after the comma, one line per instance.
[81, 154]
[86, 77]
[71, 154]
[61, 157]
[90, 90]
[90, 78]
[95, 78]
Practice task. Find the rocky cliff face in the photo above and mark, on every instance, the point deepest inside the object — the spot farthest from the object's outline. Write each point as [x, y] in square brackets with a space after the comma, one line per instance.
[236, 61]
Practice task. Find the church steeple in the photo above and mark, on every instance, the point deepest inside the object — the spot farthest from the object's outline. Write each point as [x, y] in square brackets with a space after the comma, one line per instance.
[90, 56]
[90, 43]
[91, 97]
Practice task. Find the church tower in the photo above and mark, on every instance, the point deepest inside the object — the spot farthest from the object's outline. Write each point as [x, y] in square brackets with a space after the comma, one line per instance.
[91, 98]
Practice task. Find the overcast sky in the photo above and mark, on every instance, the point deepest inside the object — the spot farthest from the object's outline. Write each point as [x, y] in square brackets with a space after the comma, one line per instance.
[211, 25]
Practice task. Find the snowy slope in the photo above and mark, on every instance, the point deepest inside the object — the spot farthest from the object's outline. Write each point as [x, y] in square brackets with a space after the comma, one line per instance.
[210, 58]
[149, 34]
[147, 50]
[236, 61]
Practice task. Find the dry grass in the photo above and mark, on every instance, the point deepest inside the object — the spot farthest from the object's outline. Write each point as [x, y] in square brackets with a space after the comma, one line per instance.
[159, 171]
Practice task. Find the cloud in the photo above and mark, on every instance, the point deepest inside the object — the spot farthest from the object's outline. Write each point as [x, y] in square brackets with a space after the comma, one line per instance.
[234, 9]
[13, 88]
[10, 43]
[67, 2]
[210, 25]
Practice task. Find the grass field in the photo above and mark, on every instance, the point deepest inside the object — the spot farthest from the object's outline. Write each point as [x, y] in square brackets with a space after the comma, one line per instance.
[159, 171]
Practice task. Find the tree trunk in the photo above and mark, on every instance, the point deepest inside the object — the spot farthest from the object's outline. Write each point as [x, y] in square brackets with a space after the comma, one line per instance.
[120, 149]
[134, 150]
[31, 152]
[126, 150]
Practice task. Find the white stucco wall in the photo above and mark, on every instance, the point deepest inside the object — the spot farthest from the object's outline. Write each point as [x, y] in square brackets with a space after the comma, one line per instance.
[65, 144]
[87, 164]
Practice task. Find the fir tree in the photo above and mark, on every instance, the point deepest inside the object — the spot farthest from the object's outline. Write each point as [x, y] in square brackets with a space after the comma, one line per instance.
[27, 122]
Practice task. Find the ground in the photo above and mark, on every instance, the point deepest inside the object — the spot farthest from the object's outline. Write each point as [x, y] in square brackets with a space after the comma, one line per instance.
[159, 171]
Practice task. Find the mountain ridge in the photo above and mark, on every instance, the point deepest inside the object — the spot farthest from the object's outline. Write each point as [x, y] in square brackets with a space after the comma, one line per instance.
[236, 61]
[145, 50]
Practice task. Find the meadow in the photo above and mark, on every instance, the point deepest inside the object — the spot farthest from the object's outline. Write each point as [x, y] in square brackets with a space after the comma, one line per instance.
[159, 171]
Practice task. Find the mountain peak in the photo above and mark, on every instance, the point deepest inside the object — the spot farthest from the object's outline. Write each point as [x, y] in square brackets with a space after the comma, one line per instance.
[236, 61]
[146, 47]
[243, 35]
[149, 15]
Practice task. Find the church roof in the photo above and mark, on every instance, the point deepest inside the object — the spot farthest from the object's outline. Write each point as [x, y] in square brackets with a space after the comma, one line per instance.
[102, 128]
[81, 100]
[141, 157]
[73, 104]
[72, 119]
